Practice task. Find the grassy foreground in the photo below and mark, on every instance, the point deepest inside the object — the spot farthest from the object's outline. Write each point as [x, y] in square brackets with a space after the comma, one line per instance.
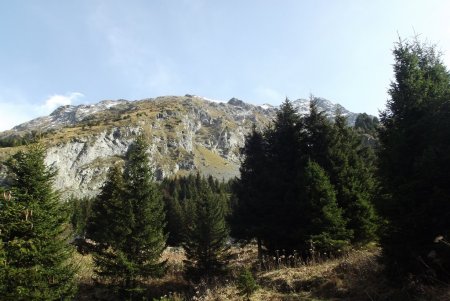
[356, 276]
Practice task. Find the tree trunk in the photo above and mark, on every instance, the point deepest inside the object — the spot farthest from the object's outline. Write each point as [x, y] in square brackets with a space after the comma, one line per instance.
[259, 250]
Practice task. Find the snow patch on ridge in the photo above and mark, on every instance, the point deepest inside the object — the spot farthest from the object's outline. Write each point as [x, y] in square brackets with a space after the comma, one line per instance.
[266, 106]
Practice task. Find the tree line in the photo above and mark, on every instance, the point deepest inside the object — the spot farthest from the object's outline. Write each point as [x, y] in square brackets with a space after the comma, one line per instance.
[307, 184]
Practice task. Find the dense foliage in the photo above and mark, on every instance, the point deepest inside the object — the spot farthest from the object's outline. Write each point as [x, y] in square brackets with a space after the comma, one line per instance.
[367, 124]
[206, 235]
[128, 223]
[80, 212]
[180, 195]
[305, 181]
[414, 164]
[34, 248]
[107, 211]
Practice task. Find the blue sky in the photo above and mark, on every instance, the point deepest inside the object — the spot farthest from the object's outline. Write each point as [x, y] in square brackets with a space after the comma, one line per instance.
[71, 52]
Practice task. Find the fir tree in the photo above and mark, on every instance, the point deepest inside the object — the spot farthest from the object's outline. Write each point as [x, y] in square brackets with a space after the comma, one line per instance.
[249, 210]
[414, 162]
[338, 150]
[352, 174]
[146, 216]
[246, 283]
[103, 225]
[34, 233]
[266, 201]
[133, 214]
[323, 224]
[317, 138]
[280, 195]
[205, 244]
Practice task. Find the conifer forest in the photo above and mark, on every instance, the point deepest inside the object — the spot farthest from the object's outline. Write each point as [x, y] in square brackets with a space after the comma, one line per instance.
[318, 212]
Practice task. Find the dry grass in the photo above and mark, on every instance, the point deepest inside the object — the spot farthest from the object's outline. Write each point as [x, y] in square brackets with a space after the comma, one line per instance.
[209, 162]
[356, 276]
[172, 284]
[85, 267]
[344, 278]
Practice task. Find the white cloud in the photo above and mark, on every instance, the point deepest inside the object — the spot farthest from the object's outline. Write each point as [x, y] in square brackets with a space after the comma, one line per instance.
[16, 109]
[57, 100]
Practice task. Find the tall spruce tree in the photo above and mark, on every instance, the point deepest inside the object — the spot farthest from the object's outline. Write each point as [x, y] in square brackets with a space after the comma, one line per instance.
[323, 224]
[130, 223]
[105, 223]
[338, 150]
[34, 233]
[205, 242]
[249, 217]
[317, 137]
[280, 193]
[353, 176]
[146, 242]
[319, 218]
[414, 162]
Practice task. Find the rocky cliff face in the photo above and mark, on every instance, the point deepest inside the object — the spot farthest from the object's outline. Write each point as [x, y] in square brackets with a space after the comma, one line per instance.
[186, 134]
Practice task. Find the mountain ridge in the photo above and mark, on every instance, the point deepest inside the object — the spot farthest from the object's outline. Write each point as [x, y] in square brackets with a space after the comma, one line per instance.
[71, 114]
[186, 134]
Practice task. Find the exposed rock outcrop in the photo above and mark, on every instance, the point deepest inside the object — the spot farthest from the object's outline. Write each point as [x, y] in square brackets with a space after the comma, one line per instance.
[186, 134]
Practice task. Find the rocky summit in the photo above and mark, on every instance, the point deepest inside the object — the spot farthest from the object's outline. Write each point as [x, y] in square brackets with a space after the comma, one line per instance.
[186, 134]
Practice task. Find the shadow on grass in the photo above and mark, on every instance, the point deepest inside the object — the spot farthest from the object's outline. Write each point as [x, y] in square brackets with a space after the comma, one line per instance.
[150, 290]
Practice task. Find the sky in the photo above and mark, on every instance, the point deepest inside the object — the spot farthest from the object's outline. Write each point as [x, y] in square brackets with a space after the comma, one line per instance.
[56, 53]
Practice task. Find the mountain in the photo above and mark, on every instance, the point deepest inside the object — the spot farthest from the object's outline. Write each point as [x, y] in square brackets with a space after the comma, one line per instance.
[187, 134]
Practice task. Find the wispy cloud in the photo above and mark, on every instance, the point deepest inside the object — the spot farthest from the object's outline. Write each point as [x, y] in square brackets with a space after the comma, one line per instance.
[57, 100]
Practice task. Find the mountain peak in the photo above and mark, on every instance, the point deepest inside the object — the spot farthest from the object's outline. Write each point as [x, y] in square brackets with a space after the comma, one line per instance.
[237, 102]
[266, 106]
[62, 109]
